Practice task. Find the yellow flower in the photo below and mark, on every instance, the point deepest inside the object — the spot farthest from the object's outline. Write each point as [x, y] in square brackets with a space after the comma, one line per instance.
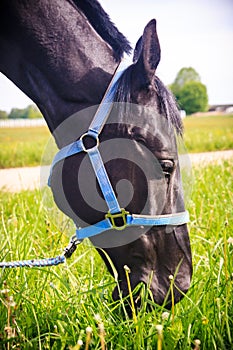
[205, 320]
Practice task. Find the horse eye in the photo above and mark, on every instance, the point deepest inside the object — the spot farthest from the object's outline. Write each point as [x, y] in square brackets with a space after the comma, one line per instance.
[167, 166]
[140, 139]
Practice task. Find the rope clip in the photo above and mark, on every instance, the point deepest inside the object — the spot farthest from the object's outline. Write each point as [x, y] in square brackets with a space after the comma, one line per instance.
[70, 249]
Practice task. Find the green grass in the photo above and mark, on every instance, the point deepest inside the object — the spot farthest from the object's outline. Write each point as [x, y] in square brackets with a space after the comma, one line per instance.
[20, 147]
[25, 146]
[50, 308]
[204, 134]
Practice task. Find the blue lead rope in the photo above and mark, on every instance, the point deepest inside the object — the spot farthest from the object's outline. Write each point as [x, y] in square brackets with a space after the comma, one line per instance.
[34, 263]
[60, 259]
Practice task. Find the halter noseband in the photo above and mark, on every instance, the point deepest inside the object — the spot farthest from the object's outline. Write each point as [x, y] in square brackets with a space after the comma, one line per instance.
[116, 218]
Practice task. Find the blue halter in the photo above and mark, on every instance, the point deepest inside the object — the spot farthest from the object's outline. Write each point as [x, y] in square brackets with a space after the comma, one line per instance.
[116, 218]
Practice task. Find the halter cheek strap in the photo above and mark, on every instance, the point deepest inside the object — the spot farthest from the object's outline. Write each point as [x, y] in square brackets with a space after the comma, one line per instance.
[116, 218]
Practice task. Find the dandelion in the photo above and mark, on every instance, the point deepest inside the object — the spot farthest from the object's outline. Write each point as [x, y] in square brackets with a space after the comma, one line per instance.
[11, 332]
[127, 272]
[127, 269]
[102, 335]
[77, 346]
[171, 278]
[5, 291]
[101, 331]
[205, 320]
[97, 318]
[11, 302]
[88, 337]
[165, 315]
[159, 329]
[197, 344]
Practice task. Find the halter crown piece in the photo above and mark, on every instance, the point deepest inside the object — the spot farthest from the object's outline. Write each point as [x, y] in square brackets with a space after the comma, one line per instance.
[116, 218]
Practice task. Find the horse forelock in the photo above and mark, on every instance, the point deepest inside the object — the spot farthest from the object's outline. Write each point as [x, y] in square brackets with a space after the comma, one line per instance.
[169, 106]
[167, 103]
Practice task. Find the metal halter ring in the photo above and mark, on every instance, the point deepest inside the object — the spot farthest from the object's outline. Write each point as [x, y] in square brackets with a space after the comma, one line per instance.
[94, 138]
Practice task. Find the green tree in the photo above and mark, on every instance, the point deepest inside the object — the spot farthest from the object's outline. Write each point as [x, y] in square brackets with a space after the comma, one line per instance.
[30, 112]
[16, 113]
[193, 97]
[3, 115]
[190, 93]
[184, 76]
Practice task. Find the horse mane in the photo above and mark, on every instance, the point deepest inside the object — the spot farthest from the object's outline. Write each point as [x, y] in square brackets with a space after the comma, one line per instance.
[167, 103]
[102, 24]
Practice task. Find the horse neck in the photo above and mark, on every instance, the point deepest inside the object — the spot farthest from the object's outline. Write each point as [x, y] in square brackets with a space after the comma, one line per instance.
[63, 67]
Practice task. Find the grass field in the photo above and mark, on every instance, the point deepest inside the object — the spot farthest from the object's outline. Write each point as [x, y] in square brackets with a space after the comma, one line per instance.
[50, 308]
[20, 147]
[204, 134]
[25, 147]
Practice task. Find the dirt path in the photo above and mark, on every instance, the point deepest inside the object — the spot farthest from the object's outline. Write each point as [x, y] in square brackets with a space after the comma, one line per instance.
[210, 157]
[18, 179]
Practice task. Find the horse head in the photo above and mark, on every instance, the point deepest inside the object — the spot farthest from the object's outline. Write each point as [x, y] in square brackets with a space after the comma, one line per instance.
[138, 145]
[67, 70]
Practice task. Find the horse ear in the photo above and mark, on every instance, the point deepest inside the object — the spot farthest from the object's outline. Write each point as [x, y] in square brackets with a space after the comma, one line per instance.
[147, 51]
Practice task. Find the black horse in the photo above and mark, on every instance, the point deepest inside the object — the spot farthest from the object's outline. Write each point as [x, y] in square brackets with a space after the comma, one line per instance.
[63, 54]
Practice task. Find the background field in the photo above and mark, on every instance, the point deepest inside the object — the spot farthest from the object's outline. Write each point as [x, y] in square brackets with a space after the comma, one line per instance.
[50, 308]
[25, 146]
[21, 147]
[209, 133]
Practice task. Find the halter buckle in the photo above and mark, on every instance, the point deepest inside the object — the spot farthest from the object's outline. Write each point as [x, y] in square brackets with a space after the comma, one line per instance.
[118, 220]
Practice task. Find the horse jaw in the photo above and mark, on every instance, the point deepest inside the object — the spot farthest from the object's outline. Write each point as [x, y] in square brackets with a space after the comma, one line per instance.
[153, 260]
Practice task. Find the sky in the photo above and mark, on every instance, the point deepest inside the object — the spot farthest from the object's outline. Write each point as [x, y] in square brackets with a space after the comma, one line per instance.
[192, 33]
